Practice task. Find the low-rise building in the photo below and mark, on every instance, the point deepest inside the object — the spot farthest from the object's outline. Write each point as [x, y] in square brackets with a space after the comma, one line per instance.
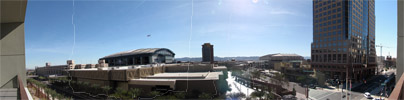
[294, 69]
[155, 77]
[60, 70]
[140, 57]
[278, 57]
[258, 64]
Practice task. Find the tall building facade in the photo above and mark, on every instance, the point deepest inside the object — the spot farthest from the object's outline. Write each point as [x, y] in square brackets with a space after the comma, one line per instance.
[207, 53]
[344, 38]
[12, 44]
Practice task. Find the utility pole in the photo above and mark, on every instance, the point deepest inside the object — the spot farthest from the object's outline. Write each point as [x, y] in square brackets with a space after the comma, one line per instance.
[346, 83]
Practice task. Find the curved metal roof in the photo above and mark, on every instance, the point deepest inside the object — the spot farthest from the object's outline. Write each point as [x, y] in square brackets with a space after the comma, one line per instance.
[136, 52]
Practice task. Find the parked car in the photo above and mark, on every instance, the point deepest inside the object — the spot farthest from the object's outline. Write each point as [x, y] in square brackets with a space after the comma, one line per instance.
[377, 99]
[367, 95]
[312, 86]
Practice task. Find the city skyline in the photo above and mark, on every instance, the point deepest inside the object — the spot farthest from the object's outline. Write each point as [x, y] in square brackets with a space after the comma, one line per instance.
[238, 28]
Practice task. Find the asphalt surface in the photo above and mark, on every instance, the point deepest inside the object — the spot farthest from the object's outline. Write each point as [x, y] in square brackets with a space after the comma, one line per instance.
[373, 83]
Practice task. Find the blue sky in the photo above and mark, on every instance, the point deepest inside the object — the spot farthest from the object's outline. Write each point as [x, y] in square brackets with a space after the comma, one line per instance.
[234, 27]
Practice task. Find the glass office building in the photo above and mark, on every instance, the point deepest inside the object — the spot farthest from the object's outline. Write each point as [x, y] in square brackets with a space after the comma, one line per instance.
[344, 38]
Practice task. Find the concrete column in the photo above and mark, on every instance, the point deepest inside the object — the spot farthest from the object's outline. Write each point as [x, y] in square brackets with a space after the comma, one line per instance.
[133, 60]
[400, 39]
[141, 60]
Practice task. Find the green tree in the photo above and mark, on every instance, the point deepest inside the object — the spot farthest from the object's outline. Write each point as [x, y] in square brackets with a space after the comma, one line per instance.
[205, 96]
[47, 92]
[94, 89]
[106, 89]
[180, 95]
[301, 79]
[294, 92]
[236, 96]
[258, 94]
[154, 93]
[255, 74]
[42, 78]
[269, 96]
[279, 79]
[167, 97]
[134, 92]
[120, 94]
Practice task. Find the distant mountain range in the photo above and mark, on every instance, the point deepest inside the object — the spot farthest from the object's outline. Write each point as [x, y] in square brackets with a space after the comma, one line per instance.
[250, 58]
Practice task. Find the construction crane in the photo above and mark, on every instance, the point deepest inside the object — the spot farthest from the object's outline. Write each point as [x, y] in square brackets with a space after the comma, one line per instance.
[381, 48]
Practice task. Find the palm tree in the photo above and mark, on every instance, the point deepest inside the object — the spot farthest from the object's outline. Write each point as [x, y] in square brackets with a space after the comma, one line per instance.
[86, 86]
[95, 89]
[269, 96]
[154, 94]
[120, 94]
[258, 94]
[47, 91]
[59, 97]
[53, 94]
[106, 89]
[294, 92]
[279, 79]
[134, 92]
[256, 74]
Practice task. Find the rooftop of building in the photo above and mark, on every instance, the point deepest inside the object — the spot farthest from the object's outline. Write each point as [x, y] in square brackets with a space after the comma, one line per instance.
[120, 67]
[172, 77]
[137, 51]
[184, 76]
[280, 54]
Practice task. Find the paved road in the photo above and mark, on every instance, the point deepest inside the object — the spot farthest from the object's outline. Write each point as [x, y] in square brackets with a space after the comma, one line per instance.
[334, 95]
[374, 83]
[237, 87]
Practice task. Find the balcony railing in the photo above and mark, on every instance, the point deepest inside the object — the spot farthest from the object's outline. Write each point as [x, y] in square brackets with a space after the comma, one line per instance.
[398, 91]
[14, 89]
[21, 90]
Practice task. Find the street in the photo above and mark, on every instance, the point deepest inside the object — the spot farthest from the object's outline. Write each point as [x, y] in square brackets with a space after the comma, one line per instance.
[334, 94]
[237, 87]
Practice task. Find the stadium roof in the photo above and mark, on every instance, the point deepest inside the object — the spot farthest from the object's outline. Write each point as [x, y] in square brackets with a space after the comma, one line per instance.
[137, 51]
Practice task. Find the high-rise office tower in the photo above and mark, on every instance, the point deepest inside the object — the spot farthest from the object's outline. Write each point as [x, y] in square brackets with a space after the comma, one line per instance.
[344, 38]
[207, 53]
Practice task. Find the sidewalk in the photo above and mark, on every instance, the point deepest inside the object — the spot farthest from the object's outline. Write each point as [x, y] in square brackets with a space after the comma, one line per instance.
[301, 96]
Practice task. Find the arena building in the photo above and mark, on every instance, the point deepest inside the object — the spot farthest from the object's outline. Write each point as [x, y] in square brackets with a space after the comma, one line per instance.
[140, 57]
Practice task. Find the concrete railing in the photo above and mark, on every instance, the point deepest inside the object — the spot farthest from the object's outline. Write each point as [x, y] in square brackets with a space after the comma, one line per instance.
[21, 89]
[398, 91]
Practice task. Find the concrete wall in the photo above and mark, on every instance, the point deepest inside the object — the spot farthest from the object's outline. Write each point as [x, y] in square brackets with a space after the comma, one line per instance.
[91, 81]
[192, 68]
[206, 86]
[400, 39]
[12, 60]
[12, 45]
[52, 70]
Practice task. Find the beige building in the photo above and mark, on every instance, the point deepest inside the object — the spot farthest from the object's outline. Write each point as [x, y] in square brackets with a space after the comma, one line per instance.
[278, 57]
[201, 77]
[59, 70]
